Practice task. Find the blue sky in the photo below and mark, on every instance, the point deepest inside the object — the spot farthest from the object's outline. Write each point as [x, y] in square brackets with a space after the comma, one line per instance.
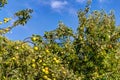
[47, 14]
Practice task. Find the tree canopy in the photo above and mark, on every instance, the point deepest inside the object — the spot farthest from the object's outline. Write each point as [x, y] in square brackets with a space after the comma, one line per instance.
[90, 53]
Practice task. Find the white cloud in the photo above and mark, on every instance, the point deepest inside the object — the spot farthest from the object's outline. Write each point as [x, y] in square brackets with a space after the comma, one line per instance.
[101, 1]
[72, 11]
[80, 1]
[61, 6]
[58, 4]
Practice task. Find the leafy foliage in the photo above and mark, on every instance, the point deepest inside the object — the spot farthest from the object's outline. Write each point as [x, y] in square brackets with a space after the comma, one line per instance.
[90, 53]
[3, 2]
[23, 17]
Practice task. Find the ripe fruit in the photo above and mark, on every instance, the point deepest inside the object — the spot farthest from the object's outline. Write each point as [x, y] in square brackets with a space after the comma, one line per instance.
[13, 58]
[54, 59]
[33, 65]
[64, 72]
[45, 77]
[44, 64]
[46, 68]
[16, 47]
[54, 78]
[57, 61]
[33, 60]
[46, 72]
[33, 38]
[43, 70]
[53, 74]
[36, 48]
[40, 61]
[47, 51]
[6, 20]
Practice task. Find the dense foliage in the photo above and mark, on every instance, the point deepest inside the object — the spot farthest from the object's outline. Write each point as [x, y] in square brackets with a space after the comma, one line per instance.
[90, 53]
